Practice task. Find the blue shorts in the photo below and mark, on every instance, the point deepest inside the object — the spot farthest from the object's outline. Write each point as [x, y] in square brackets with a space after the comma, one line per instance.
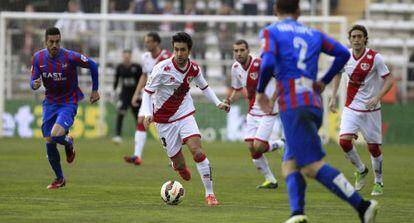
[303, 143]
[62, 114]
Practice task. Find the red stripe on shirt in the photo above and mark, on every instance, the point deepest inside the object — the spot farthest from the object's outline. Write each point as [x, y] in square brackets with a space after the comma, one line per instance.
[292, 93]
[357, 78]
[282, 101]
[266, 40]
[173, 103]
[306, 98]
[66, 70]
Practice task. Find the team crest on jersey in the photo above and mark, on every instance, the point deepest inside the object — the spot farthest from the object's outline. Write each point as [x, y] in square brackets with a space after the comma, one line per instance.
[369, 56]
[365, 66]
[256, 64]
[64, 65]
[254, 75]
[84, 59]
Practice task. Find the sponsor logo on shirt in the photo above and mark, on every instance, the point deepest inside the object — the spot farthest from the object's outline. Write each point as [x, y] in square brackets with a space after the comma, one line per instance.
[54, 76]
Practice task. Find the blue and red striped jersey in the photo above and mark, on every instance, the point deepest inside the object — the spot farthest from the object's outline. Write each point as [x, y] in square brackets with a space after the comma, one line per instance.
[290, 52]
[59, 75]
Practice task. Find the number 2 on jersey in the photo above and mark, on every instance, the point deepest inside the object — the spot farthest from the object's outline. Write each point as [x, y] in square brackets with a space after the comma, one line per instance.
[301, 43]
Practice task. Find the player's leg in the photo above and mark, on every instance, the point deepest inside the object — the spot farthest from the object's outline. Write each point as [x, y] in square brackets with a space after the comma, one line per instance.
[190, 135]
[262, 137]
[296, 187]
[372, 135]
[122, 107]
[306, 122]
[139, 140]
[259, 160]
[350, 124]
[169, 135]
[52, 152]
[59, 134]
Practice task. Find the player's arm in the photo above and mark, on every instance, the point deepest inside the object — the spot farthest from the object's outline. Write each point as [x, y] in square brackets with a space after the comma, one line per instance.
[341, 54]
[35, 80]
[117, 76]
[267, 65]
[137, 93]
[333, 104]
[209, 93]
[85, 62]
[236, 87]
[153, 82]
[383, 71]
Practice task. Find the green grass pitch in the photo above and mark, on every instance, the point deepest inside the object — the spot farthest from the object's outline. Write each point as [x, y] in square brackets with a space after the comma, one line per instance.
[102, 188]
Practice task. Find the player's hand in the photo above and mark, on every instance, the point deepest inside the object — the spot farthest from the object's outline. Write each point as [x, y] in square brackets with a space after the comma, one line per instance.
[37, 83]
[333, 104]
[94, 97]
[148, 120]
[319, 86]
[372, 103]
[135, 99]
[224, 106]
[264, 103]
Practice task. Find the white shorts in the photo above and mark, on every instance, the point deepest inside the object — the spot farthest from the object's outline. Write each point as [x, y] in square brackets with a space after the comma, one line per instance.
[259, 127]
[141, 112]
[368, 123]
[174, 135]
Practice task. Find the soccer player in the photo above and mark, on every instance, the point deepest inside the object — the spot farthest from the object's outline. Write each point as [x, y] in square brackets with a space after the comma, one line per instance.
[128, 74]
[168, 103]
[56, 69]
[153, 56]
[245, 73]
[362, 111]
[291, 52]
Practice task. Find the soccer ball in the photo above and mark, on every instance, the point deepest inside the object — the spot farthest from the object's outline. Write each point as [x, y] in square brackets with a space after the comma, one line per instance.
[172, 192]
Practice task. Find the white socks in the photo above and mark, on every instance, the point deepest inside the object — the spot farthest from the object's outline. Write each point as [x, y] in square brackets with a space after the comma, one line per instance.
[205, 173]
[262, 165]
[140, 138]
[353, 156]
[377, 168]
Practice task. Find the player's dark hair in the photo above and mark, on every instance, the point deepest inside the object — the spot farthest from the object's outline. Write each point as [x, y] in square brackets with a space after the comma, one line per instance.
[127, 51]
[182, 37]
[242, 41]
[360, 28]
[51, 31]
[287, 6]
[154, 36]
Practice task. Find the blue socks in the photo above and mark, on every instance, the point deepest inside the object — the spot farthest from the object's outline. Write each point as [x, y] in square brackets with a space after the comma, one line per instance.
[336, 182]
[63, 140]
[296, 186]
[54, 159]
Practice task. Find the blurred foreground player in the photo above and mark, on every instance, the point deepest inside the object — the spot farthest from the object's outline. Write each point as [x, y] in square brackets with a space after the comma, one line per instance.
[55, 68]
[290, 53]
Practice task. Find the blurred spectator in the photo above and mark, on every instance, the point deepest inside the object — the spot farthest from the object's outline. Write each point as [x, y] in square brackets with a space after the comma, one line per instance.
[30, 40]
[167, 10]
[147, 7]
[91, 6]
[72, 29]
[123, 28]
[226, 35]
[198, 32]
[249, 7]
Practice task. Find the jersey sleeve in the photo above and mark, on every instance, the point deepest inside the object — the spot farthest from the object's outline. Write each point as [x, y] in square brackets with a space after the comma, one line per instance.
[85, 62]
[153, 81]
[200, 81]
[35, 70]
[145, 68]
[268, 44]
[235, 82]
[380, 65]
